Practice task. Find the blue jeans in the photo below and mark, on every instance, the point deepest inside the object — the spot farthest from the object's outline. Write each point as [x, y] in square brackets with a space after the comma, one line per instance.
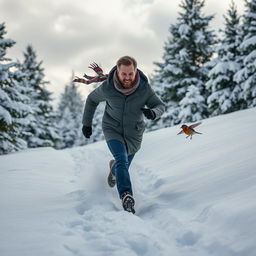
[121, 166]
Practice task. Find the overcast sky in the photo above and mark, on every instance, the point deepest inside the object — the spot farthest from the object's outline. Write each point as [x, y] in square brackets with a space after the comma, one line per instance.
[70, 34]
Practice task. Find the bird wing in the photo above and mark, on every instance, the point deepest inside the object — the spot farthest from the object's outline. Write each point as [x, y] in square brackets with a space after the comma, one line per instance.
[195, 125]
[180, 132]
[96, 68]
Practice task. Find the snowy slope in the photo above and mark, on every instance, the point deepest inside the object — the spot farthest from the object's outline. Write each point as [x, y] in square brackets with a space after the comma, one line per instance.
[193, 197]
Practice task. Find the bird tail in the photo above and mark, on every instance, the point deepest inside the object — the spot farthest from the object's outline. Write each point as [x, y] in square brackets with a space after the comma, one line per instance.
[198, 132]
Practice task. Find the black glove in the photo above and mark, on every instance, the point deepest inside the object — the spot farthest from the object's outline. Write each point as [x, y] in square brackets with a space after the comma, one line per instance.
[87, 131]
[149, 113]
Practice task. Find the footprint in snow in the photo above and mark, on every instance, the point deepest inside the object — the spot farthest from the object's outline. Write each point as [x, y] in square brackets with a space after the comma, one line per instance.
[188, 239]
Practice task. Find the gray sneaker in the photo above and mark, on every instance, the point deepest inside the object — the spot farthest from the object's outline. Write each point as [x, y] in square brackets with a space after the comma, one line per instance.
[111, 176]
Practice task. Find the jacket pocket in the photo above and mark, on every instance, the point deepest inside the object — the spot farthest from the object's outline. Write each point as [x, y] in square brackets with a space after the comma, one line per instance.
[140, 126]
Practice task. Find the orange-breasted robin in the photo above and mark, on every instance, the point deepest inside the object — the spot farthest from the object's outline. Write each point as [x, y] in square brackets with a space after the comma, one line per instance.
[189, 130]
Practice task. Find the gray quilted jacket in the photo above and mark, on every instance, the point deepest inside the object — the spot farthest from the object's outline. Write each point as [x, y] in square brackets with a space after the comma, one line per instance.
[123, 119]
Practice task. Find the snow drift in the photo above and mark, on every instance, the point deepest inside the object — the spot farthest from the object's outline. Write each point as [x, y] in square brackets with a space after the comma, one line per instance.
[193, 197]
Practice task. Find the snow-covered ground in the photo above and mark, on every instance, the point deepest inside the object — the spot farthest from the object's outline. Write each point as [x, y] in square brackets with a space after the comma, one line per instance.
[193, 197]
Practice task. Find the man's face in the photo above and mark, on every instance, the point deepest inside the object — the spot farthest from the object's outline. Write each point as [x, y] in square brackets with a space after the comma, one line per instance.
[126, 75]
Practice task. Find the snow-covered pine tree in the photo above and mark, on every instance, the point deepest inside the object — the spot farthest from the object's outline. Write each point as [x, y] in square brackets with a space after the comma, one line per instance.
[193, 102]
[246, 77]
[224, 91]
[188, 48]
[24, 90]
[13, 101]
[43, 128]
[70, 112]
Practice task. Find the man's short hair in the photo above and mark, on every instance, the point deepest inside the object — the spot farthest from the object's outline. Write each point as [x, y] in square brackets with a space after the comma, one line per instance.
[127, 61]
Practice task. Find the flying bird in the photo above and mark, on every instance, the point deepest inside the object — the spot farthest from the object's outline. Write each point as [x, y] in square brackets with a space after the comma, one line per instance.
[189, 130]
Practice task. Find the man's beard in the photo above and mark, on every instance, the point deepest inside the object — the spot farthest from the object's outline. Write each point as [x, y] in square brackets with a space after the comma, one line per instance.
[127, 83]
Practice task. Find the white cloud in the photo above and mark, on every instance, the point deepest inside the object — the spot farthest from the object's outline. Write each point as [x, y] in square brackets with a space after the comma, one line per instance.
[69, 35]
